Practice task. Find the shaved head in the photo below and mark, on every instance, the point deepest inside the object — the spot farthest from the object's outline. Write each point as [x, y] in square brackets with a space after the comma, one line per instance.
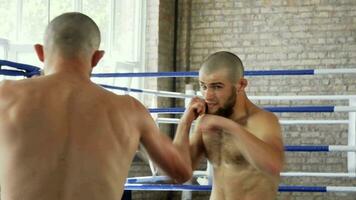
[224, 60]
[71, 35]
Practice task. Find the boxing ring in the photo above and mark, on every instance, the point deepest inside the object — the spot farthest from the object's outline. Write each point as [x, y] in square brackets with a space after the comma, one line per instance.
[153, 183]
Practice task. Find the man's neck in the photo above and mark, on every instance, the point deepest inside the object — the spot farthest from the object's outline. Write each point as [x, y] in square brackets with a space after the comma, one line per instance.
[242, 108]
[73, 67]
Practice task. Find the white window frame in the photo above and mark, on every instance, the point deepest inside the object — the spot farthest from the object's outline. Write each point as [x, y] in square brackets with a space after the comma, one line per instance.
[12, 49]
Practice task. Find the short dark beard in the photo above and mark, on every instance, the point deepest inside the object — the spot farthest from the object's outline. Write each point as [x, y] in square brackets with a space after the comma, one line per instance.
[228, 107]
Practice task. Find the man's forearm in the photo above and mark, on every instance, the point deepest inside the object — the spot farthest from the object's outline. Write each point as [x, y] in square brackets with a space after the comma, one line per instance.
[182, 133]
[181, 139]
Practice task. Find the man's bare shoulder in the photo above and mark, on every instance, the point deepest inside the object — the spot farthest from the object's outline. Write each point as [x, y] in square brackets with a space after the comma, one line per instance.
[265, 122]
[264, 116]
[4, 84]
[260, 115]
[7, 87]
[125, 101]
[9, 94]
[16, 84]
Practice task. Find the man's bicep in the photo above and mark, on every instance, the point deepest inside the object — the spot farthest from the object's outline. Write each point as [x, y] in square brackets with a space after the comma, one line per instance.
[272, 133]
[146, 126]
[156, 144]
[149, 134]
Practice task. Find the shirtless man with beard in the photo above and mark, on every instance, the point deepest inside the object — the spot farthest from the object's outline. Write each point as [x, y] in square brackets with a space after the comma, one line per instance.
[242, 141]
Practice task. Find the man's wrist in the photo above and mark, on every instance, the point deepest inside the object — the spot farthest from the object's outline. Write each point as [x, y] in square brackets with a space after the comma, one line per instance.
[230, 125]
[185, 121]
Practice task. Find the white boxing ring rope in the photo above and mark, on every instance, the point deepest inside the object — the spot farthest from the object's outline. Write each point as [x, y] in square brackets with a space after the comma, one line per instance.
[163, 120]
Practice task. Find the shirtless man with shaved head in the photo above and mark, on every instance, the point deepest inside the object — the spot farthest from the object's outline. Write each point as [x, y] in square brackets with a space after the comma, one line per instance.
[62, 137]
[242, 141]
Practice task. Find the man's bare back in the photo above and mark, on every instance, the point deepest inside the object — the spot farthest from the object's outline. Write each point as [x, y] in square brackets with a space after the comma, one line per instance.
[234, 176]
[64, 137]
[67, 135]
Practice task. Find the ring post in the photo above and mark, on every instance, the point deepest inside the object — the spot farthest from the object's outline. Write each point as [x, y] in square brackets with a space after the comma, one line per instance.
[189, 91]
[351, 156]
[187, 195]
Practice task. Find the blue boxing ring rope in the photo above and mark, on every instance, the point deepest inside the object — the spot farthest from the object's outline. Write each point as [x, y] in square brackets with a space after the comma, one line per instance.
[136, 183]
[30, 70]
[247, 73]
[282, 188]
[21, 69]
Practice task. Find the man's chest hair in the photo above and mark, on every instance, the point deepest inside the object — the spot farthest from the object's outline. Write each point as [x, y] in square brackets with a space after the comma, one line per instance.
[223, 147]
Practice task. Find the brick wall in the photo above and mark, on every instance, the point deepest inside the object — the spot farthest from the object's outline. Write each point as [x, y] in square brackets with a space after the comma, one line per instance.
[159, 57]
[285, 34]
[165, 51]
[266, 34]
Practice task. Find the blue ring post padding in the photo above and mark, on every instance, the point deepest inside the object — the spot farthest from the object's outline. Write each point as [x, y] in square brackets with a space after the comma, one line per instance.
[173, 187]
[286, 188]
[307, 148]
[120, 88]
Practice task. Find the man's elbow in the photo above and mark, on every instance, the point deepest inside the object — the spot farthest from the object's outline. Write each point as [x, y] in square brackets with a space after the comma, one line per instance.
[275, 164]
[275, 168]
[184, 175]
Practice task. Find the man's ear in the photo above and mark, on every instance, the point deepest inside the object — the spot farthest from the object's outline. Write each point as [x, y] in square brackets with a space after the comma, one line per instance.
[39, 52]
[241, 84]
[96, 57]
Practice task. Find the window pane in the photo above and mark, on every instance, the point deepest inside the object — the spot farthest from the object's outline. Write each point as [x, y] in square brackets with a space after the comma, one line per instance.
[60, 7]
[34, 21]
[118, 21]
[2, 52]
[125, 30]
[29, 58]
[8, 19]
[99, 11]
